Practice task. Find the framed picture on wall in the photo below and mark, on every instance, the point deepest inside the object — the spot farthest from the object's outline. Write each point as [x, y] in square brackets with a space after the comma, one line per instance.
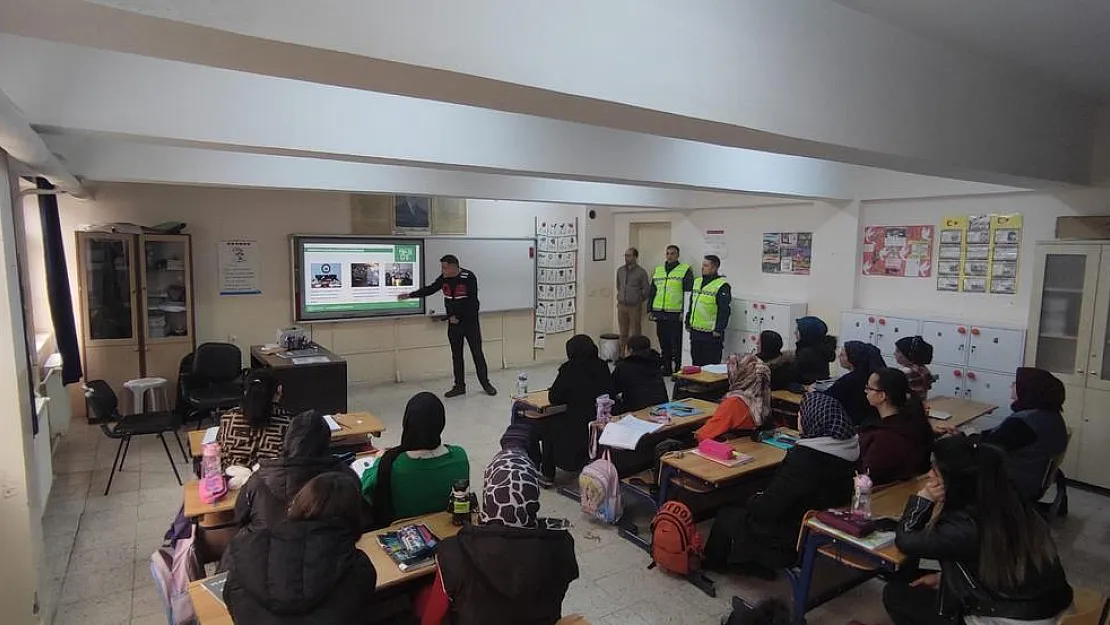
[599, 249]
[412, 214]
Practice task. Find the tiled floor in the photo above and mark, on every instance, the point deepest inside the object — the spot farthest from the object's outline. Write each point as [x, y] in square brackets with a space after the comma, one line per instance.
[98, 548]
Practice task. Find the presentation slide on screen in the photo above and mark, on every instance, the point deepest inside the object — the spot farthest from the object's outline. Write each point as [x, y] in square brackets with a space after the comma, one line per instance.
[360, 276]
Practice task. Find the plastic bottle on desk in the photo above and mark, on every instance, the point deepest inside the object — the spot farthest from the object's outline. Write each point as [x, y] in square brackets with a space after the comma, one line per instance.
[212, 485]
[604, 409]
[521, 384]
[861, 497]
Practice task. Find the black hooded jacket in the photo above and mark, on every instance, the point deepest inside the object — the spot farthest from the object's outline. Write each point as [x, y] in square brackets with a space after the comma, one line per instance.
[638, 381]
[498, 575]
[300, 573]
[304, 455]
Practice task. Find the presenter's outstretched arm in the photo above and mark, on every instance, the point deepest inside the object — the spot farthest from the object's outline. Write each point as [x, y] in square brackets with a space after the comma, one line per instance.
[434, 287]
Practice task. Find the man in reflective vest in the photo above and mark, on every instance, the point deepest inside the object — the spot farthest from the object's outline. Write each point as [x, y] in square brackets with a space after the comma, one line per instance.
[710, 307]
[669, 285]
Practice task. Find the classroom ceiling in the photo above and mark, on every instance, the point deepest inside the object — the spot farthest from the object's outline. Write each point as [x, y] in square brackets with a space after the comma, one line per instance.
[491, 102]
[1064, 40]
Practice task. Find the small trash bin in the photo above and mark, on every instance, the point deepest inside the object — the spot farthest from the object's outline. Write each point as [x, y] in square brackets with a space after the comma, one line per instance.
[610, 347]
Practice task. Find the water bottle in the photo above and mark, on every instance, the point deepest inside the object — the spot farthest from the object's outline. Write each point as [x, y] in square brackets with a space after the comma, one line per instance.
[210, 464]
[521, 384]
[861, 497]
[604, 408]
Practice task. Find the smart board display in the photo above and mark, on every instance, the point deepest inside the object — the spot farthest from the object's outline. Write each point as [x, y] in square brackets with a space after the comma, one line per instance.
[350, 277]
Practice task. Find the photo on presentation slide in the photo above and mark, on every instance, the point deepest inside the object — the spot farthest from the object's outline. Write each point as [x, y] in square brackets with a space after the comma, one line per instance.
[326, 275]
[398, 274]
[366, 275]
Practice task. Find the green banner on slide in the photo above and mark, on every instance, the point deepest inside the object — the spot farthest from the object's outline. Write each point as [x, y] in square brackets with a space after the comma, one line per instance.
[349, 307]
[404, 253]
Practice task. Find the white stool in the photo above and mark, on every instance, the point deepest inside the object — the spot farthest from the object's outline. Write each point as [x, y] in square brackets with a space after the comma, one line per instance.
[139, 389]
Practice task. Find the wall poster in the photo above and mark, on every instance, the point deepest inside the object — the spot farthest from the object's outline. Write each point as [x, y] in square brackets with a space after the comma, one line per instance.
[787, 252]
[979, 254]
[556, 279]
[237, 263]
[901, 251]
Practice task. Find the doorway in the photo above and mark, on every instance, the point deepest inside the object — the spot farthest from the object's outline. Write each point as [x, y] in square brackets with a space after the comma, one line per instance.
[651, 239]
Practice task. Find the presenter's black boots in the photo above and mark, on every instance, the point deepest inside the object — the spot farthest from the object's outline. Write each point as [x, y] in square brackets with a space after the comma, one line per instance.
[455, 392]
[488, 388]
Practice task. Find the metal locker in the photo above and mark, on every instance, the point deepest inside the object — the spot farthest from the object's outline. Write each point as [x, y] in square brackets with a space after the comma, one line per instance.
[856, 326]
[995, 349]
[949, 341]
[988, 387]
[950, 381]
[889, 329]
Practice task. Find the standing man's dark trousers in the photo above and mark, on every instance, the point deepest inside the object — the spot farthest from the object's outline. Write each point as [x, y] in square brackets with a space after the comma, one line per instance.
[706, 349]
[668, 328]
[472, 333]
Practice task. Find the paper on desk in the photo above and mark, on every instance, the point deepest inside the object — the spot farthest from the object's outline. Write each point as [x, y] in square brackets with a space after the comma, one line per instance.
[311, 360]
[363, 464]
[626, 433]
[939, 414]
[718, 369]
[210, 435]
[333, 425]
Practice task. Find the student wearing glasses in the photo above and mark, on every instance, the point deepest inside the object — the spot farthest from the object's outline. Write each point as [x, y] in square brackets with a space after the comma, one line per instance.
[898, 446]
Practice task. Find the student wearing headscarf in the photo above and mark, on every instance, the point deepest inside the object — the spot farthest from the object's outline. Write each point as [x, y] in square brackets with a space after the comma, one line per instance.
[415, 477]
[638, 377]
[514, 567]
[861, 359]
[1035, 433]
[580, 381]
[913, 353]
[747, 402]
[781, 364]
[816, 474]
[814, 349]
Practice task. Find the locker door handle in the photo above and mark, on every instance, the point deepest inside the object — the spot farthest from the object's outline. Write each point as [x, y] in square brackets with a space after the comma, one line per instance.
[1079, 371]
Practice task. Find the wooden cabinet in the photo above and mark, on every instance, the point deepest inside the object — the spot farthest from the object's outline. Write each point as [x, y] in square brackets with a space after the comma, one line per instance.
[136, 301]
[1069, 325]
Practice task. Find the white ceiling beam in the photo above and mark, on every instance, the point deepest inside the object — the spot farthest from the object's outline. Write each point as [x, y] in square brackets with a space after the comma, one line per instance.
[795, 77]
[22, 143]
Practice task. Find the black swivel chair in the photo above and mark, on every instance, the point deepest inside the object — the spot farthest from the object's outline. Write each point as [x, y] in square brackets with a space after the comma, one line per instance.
[104, 405]
[214, 381]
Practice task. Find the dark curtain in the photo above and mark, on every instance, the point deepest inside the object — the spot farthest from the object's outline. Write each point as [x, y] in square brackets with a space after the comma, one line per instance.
[57, 285]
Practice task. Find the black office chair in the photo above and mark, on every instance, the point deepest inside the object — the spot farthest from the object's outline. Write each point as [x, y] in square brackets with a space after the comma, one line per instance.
[214, 381]
[104, 405]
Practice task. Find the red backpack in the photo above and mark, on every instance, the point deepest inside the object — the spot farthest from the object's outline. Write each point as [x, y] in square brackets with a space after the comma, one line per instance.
[676, 545]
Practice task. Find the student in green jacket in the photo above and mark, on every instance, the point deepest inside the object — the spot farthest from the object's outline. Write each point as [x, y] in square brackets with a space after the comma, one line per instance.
[415, 477]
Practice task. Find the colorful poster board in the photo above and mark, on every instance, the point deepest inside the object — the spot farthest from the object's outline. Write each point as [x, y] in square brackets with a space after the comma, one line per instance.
[898, 251]
[787, 252]
[979, 254]
[556, 292]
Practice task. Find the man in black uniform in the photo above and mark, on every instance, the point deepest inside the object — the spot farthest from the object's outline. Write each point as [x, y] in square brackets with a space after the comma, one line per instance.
[460, 297]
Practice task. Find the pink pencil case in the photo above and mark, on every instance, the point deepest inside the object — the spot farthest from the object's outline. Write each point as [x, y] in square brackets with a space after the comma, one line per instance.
[715, 449]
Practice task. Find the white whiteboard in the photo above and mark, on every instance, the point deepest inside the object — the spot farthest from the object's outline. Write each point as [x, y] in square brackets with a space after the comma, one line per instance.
[506, 270]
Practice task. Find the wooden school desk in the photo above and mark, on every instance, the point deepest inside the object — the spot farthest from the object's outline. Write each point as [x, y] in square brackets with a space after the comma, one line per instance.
[714, 474]
[962, 410]
[815, 541]
[212, 612]
[354, 427]
[537, 405]
[207, 514]
[710, 386]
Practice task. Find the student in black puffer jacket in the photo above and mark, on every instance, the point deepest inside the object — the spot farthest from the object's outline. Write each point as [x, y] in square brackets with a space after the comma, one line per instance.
[566, 436]
[306, 569]
[638, 378]
[997, 558]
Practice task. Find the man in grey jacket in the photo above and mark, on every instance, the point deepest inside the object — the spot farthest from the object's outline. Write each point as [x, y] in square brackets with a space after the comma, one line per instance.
[633, 286]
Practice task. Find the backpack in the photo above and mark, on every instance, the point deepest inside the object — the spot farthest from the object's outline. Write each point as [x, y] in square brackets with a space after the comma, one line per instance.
[599, 490]
[173, 566]
[676, 545]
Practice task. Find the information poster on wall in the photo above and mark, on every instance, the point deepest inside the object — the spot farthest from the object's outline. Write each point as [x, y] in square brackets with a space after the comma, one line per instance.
[787, 252]
[556, 278]
[715, 243]
[237, 262]
[899, 251]
[979, 254]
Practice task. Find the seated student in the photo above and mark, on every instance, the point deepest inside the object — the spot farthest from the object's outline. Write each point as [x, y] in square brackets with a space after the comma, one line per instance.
[306, 569]
[913, 353]
[769, 350]
[899, 446]
[264, 499]
[638, 377]
[513, 568]
[747, 402]
[998, 562]
[415, 477]
[255, 430]
[861, 359]
[816, 474]
[814, 349]
[1035, 433]
[580, 381]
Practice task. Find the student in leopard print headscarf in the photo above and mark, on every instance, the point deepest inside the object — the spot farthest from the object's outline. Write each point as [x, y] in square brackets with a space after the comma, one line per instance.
[514, 566]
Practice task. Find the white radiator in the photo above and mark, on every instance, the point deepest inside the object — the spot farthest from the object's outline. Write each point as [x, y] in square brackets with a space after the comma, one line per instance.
[52, 389]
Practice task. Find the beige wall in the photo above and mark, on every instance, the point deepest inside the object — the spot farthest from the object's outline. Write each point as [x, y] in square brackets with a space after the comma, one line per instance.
[377, 351]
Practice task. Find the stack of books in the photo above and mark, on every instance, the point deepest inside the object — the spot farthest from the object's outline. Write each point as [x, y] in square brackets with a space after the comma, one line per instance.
[410, 547]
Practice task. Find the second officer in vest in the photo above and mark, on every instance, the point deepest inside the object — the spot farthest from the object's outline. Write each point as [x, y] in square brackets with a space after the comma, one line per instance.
[710, 307]
[669, 285]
